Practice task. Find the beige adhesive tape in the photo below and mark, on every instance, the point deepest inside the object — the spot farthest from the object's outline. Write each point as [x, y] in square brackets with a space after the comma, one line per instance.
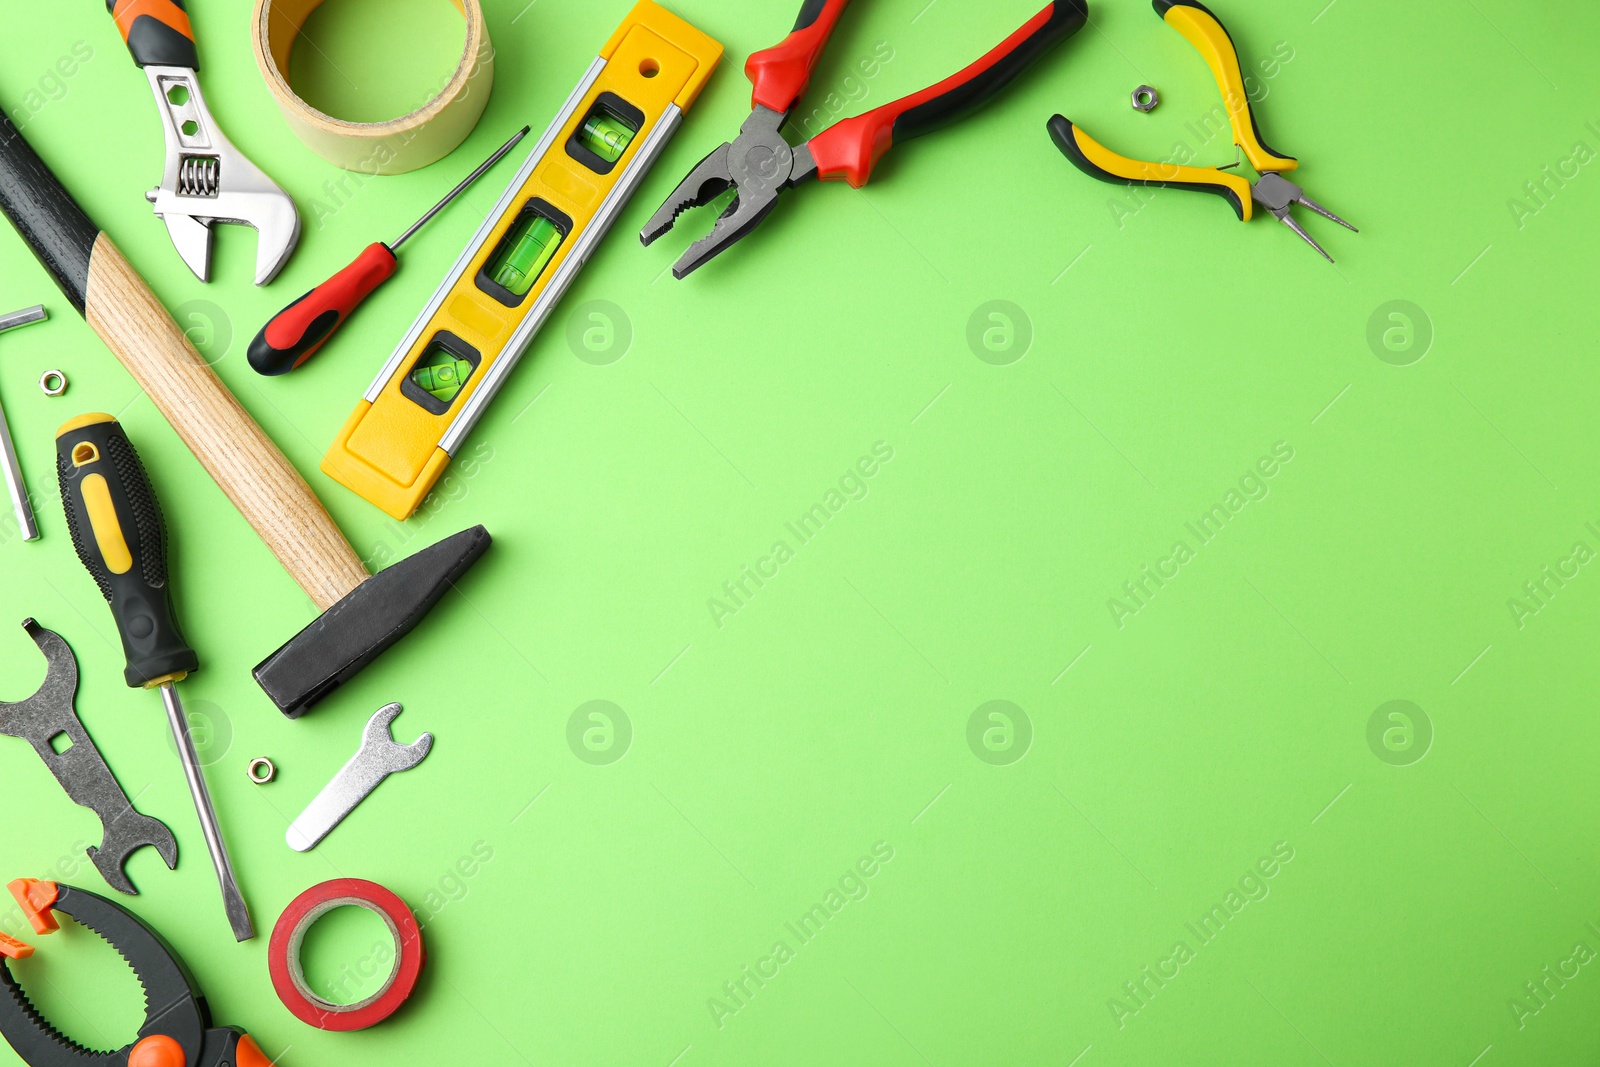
[425, 136]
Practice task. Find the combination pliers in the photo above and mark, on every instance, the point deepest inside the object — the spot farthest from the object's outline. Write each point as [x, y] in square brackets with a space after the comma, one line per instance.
[177, 1030]
[760, 162]
[1271, 189]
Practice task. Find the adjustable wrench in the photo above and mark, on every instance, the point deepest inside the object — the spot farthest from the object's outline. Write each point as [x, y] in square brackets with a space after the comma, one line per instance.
[379, 756]
[206, 180]
[79, 767]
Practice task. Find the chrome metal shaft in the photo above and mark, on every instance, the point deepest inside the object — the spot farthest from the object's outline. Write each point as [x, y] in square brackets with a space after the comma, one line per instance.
[232, 899]
[10, 467]
[468, 180]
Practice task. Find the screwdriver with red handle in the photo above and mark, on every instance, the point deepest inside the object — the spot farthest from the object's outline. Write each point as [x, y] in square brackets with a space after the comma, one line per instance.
[294, 334]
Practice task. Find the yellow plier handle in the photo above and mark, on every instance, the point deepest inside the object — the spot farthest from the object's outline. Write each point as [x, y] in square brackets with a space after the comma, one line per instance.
[1203, 30]
[1201, 27]
[1098, 161]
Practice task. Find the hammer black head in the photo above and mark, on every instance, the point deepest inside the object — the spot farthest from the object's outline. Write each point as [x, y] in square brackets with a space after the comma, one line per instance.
[359, 628]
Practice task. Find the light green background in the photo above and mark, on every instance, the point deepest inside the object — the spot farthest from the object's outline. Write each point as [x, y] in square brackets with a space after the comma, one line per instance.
[1169, 349]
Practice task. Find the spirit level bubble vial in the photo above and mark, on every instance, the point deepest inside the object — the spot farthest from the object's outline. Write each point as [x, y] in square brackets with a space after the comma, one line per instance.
[565, 197]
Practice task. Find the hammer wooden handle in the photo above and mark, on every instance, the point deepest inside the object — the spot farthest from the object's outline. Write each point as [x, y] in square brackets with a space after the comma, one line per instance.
[236, 452]
[119, 306]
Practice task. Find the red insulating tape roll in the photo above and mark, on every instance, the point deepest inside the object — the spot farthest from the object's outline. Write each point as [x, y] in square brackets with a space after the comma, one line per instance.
[288, 978]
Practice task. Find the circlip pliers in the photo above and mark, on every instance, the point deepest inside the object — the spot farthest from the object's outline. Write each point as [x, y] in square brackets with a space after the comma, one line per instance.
[1275, 193]
[760, 162]
[176, 1031]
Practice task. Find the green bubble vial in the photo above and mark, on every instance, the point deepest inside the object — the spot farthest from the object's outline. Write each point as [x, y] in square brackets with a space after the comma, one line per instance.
[606, 134]
[525, 253]
[441, 373]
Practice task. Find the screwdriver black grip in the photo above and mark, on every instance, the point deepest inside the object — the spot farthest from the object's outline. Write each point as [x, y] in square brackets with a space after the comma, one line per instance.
[121, 539]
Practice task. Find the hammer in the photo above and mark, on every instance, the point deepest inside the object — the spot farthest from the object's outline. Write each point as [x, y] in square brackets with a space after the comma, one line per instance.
[362, 615]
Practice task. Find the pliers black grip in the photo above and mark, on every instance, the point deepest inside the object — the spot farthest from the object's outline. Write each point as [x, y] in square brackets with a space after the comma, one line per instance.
[760, 162]
[1276, 194]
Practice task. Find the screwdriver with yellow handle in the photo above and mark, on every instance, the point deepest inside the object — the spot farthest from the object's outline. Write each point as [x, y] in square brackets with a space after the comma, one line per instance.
[120, 536]
[294, 334]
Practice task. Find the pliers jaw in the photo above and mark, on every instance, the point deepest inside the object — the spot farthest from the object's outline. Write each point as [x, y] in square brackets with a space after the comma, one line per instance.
[1278, 194]
[1272, 191]
[758, 165]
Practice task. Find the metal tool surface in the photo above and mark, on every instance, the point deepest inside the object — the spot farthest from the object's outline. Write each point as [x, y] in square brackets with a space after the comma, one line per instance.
[1274, 193]
[47, 720]
[760, 163]
[120, 536]
[9, 465]
[379, 756]
[207, 180]
[232, 898]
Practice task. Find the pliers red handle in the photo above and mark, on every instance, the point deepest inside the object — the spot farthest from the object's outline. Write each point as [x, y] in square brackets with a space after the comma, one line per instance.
[780, 74]
[760, 162]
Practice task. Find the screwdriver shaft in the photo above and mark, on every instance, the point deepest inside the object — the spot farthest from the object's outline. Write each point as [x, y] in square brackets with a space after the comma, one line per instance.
[468, 180]
[232, 899]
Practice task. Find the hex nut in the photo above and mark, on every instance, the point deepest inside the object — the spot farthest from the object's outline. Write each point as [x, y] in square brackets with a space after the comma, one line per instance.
[1145, 98]
[262, 771]
[53, 383]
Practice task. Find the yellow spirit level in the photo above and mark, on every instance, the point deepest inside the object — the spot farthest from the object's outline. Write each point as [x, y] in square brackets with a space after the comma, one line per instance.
[457, 354]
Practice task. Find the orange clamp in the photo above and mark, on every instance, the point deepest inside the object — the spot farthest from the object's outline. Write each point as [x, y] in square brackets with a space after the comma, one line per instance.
[13, 949]
[37, 898]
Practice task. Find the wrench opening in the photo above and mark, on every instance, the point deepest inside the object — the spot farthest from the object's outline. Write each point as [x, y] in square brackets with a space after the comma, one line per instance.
[379, 756]
[79, 766]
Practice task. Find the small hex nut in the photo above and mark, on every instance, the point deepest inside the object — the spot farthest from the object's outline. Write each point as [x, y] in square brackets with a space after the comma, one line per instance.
[262, 770]
[1146, 99]
[52, 383]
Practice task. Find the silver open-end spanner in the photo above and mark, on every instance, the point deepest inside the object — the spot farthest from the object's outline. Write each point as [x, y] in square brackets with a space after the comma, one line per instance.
[379, 756]
[48, 721]
[206, 180]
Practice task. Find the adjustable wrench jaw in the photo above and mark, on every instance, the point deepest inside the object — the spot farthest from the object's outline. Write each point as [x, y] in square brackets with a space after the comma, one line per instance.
[207, 180]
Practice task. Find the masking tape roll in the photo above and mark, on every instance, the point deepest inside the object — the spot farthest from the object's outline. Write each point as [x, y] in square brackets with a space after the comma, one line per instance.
[425, 136]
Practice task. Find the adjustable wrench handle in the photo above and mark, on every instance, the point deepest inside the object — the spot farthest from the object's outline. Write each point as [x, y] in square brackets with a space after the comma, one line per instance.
[157, 32]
